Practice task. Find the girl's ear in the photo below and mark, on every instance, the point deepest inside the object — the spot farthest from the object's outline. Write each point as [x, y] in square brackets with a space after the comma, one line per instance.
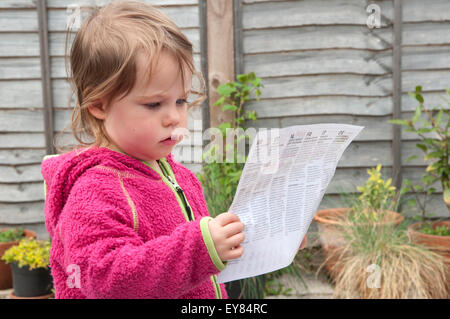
[97, 110]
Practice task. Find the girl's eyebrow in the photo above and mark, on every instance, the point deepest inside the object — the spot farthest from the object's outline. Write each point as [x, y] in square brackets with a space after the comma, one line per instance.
[159, 95]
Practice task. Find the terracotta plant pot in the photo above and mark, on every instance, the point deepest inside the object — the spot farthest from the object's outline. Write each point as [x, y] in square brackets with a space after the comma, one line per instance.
[437, 244]
[331, 238]
[5, 269]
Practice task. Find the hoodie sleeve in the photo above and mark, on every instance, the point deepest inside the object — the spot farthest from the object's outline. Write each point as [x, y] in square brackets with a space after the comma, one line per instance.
[97, 235]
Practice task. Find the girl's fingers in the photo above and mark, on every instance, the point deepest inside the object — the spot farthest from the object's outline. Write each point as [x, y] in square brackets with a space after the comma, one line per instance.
[226, 218]
[236, 240]
[234, 253]
[233, 229]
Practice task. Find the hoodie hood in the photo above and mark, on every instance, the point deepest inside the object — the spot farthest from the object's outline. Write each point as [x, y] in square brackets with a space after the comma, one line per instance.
[60, 172]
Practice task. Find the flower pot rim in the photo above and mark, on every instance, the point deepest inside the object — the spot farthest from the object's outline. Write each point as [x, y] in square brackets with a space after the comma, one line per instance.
[413, 229]
[319, 218]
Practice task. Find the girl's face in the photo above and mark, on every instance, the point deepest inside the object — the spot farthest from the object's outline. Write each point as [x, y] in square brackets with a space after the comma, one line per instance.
[149, 114]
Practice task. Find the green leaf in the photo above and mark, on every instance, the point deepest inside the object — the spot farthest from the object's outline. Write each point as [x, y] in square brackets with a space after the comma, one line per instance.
[436, 154]
[417, 114]
[411, 158]
[398, 122]
[438, 117]
[422, 147]
[226, 89]
[242, 77]
[220, 101]
[229, 107]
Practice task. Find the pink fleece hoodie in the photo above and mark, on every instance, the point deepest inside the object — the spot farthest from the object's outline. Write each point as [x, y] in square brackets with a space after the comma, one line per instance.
[119, 231]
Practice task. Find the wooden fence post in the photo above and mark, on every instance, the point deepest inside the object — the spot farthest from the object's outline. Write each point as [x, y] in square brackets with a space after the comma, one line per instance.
[220, 43]
[45, 76]
[397, 95]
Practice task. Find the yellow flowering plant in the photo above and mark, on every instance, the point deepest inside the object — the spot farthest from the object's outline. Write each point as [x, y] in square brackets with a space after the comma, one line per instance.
[29, 252]
[377, 196]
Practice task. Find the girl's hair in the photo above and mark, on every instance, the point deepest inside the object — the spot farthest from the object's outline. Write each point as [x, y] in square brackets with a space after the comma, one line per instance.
[103, 61]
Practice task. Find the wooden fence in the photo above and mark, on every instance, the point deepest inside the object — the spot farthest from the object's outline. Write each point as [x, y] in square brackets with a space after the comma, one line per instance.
[319, 62]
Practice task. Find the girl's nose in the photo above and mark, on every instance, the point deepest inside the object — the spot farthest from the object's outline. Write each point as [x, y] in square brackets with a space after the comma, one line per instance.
[172, 117]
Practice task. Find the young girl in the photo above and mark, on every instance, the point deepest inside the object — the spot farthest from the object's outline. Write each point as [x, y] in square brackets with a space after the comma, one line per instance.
[126, 219]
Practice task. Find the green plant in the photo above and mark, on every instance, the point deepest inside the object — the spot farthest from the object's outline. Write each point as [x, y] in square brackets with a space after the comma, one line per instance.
[29, 252]
[376, 197]
[379, 261]
[435, 146]
[11, 235]
[220, 180]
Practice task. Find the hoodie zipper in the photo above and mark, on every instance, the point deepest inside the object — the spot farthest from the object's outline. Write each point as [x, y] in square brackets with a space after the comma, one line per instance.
[182, 196]
[167, 174]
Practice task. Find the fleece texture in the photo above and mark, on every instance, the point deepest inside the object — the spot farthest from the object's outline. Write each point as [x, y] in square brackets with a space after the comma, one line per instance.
[118, 230]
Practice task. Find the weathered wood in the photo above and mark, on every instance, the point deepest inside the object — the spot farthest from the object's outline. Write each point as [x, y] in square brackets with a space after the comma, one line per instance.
[63, 3]
[17, 213]
[45, 76]
[345, 61]
[324, 12]
[376, 128]
[396, 95]
[26, 20]
[186, 17]
[353, 105]
[434, 204]
[21, 156]
[342, 36]
[12, 93]
[219, 15]
[311, 12]
[26, 192]
[21, 173]
[352, 84]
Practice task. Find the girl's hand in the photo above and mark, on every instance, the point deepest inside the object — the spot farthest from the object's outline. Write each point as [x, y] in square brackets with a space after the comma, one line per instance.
[226, 232]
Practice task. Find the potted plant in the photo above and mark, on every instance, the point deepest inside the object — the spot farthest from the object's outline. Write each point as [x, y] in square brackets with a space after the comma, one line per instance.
[435, 146]
[220, 180]
[30, 267]
[8, 238]
[376, 204]
[378, 261]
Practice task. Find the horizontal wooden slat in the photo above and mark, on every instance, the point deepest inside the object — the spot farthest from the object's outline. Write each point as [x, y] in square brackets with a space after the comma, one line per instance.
[342, 36]
[26, 20]
[346, 180]
[336, 12]
[351, 84]
[21, 156]
[12, 93]
[19, 44]
[311, 105]
[375, 128]
[316, 37]
[63, 3]
[18, 213]
[26, 192]
[310, 12]
[345, 61]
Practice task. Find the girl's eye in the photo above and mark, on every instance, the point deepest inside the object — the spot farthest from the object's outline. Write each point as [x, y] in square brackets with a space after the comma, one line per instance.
[157, 104]
[182, 101]
[153, 105]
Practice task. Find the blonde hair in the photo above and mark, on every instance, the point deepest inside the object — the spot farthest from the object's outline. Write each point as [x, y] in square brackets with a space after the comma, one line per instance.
[103, 60]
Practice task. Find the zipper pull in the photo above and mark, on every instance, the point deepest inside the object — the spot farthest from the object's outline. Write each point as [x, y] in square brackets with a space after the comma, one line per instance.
[180, 191]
